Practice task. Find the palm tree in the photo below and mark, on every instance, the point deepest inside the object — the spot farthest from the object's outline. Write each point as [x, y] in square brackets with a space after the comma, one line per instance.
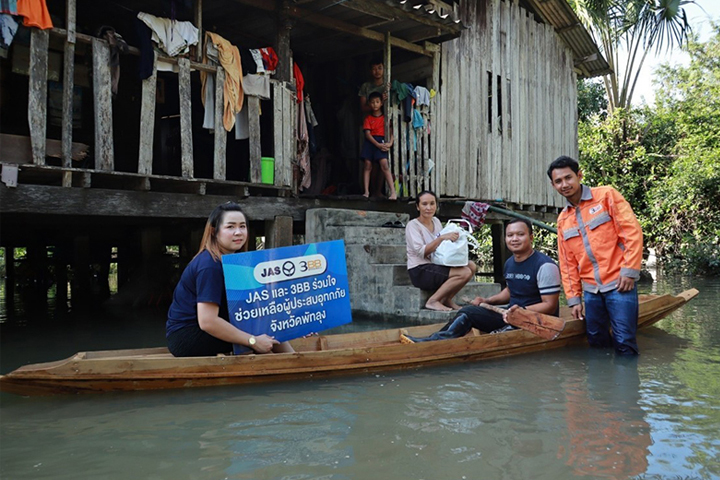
[637, 27]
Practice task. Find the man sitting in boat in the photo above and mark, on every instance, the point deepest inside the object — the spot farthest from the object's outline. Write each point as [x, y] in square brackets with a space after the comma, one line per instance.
[533, 283]
[197, 323]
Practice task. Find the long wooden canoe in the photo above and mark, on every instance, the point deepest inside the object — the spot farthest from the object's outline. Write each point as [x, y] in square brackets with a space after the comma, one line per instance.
[156, 368]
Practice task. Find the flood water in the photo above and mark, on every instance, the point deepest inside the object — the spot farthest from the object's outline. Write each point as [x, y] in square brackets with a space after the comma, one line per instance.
[566, 413]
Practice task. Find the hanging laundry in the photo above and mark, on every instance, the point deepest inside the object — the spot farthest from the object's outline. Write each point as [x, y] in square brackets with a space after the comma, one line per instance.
[270, 59]
[247, 61]
[257, 86]
[422, 96]
[8, 29]
[474, 212]
[258, 58]
[35, 13]
[299, 82]
[309, 113]
[242, 124]
[418, 121]
[173, 37]
[207, 83]
[117, 46]
[303, 148]
[9, 7]
[228, 56]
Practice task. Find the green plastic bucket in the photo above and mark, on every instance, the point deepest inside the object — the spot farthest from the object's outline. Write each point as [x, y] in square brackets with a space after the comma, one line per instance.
[267, 170]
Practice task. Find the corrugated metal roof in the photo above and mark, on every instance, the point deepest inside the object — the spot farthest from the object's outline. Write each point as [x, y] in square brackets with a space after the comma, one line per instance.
[588, 60]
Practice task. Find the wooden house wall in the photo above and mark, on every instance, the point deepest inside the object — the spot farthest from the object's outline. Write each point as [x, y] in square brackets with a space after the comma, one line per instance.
[503, 154]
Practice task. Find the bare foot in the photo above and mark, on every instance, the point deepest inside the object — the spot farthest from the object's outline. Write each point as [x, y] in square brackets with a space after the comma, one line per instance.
[437, 306]
[392, 197]
[452, 305]
[366, 195]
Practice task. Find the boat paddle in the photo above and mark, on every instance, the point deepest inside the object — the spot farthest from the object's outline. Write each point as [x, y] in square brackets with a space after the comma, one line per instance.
[542, 325]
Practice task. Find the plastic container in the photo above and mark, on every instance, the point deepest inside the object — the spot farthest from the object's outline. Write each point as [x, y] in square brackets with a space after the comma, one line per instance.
[267, 170]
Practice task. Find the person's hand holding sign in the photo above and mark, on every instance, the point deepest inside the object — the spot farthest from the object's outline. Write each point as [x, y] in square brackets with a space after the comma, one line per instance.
[262, 343]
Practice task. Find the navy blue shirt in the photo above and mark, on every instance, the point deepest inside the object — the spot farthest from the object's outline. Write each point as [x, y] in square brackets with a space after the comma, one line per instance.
[528, 280]
[202, 281]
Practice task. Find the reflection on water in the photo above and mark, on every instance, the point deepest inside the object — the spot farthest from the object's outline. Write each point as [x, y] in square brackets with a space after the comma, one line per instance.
[567, 413]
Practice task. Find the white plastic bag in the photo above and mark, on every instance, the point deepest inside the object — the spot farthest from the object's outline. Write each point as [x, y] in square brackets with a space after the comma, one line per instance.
[454, 254]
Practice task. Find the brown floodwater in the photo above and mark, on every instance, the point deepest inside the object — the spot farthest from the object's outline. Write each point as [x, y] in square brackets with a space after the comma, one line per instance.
[566, 413]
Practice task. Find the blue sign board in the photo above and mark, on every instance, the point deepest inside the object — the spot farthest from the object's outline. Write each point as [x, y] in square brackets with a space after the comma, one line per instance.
[288, 292]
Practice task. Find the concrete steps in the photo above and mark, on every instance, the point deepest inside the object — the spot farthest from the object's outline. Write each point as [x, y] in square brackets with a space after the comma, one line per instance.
[377, 265]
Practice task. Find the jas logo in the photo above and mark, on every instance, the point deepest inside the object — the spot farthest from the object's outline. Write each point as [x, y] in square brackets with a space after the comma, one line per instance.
[595, 209]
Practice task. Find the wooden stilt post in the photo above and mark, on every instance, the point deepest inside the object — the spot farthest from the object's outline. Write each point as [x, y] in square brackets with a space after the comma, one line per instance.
[68, 91]
[198, 23]
[147, 121]
[9, 278]
[102, 91]
[282, 42]
[500, 254]
[80, 286]
[186, 140]
[279, 232]
[37, 101]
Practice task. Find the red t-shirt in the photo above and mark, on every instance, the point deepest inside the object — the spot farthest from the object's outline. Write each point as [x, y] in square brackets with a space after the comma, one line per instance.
[376, 125]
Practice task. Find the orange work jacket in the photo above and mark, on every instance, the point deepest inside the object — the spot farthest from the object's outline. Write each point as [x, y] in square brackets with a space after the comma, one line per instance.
[598, 241]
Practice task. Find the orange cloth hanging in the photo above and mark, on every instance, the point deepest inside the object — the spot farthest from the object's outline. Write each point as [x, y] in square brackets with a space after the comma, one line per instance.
[233, 95]
[34, 13]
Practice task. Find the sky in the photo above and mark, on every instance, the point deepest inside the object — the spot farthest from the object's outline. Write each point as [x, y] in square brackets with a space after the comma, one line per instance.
[700, 23]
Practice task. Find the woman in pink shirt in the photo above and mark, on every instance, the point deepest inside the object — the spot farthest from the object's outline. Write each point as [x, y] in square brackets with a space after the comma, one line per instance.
[423, 237]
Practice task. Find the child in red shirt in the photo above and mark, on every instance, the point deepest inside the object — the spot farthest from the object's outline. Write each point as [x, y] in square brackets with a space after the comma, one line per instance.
[374, 147]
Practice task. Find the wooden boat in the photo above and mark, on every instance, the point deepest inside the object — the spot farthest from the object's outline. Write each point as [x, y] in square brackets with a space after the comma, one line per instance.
[156, 368]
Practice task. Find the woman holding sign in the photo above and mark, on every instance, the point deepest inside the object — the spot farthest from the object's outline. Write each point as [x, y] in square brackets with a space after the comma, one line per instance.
[197, 324]
[423, 237]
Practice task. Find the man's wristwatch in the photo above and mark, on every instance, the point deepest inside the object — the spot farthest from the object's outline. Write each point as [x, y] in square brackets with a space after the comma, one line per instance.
[252, 341]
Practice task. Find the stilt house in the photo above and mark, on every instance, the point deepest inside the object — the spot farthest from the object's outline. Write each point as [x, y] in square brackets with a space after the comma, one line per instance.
[102, 165]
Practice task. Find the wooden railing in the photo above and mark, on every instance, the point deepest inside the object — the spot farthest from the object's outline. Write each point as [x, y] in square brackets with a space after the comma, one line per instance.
[284, 113]
[411, 159]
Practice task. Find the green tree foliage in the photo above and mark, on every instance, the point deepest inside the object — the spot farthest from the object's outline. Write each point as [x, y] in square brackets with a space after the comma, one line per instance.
[636, 27]
[665, 159]
[687, 203]
[591, 99]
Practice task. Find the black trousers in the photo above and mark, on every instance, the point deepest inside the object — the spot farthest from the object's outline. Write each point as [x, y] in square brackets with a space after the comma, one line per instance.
[468, 317]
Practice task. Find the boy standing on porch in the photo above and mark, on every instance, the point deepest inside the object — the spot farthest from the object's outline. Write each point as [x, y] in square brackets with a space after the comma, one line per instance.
[375, 149]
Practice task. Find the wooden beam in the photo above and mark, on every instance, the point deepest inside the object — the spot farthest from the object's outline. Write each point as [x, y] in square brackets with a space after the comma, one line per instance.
[220, 134]
[147, 121]
[198, 22]
[37, 100]
[396, 11]
[282, 41]
[315, 18]
[387, 62]
[68, 88]
[186, 141]
[253, 106]
[102, 90]
[18, 149]
[279, 232]
[202, 67]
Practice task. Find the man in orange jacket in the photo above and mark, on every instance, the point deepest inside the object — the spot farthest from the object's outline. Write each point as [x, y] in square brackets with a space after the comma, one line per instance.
[599, 252]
